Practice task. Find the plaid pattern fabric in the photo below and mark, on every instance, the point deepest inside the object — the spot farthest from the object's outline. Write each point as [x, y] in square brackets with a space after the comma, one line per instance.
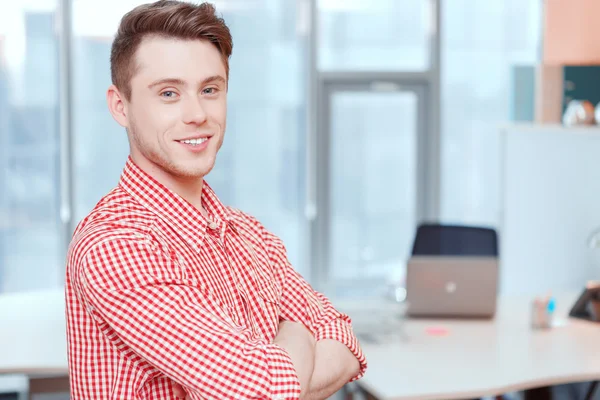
[156, 293]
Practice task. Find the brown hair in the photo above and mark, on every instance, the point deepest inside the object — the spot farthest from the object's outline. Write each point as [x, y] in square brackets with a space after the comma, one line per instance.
[169, 19]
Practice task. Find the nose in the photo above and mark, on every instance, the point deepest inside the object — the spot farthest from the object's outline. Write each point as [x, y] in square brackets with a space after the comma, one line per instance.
[194, 112]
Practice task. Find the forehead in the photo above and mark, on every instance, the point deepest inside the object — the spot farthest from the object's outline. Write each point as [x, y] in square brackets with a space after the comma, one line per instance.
[159, 57]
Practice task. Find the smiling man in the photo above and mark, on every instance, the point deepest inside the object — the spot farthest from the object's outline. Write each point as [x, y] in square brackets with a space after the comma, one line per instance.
[169, 292]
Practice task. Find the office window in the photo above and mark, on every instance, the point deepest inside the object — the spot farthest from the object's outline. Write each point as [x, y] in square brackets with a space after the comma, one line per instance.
[374, 132]
[372, 193]
[260, 168]
[29, 147]
[374, 35]
[100, 144]
[482, 44]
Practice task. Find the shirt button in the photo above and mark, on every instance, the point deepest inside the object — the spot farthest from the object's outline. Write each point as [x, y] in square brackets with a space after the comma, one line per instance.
[213, 225]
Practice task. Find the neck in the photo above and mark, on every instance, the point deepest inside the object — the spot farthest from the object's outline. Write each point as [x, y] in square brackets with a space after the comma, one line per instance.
[189, 188]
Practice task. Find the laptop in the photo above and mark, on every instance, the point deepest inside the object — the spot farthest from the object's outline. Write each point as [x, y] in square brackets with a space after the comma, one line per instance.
[452, 286]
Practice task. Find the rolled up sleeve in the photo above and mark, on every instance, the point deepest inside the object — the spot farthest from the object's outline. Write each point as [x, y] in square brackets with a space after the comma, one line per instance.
[301, 303]
[340, 329]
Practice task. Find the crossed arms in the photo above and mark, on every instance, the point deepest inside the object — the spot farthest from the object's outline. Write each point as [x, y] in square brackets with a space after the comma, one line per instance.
[322, 367]
[172, 325]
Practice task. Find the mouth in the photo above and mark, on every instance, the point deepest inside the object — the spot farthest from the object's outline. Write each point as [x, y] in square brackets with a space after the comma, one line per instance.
[194, 142]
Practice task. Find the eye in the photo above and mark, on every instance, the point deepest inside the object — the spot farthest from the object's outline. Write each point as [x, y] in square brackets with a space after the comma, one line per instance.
[168, 94]
[210, 91]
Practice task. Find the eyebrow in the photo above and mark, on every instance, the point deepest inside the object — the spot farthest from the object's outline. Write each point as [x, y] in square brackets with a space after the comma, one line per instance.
[181, 82]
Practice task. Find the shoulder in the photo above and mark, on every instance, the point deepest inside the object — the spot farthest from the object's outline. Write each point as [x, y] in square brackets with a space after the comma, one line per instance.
[246, 223]
[238, 215]
[115, 226]
[250, 227]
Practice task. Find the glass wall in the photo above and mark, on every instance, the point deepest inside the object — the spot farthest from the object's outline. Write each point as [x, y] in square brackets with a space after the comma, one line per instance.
[261, 166]
[372, 201]
[29, 147]
[483, 43]
[375, 35]
[375, 136]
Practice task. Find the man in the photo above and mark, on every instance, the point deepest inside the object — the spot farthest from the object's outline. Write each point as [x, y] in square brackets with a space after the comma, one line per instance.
[169, 292]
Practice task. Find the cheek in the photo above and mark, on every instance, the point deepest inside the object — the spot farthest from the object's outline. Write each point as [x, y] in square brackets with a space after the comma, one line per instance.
[219, 113]
[156, 118]
[139, 113]
[216, 108]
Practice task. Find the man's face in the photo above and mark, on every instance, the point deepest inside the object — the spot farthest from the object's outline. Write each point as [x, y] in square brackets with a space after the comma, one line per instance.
[177, 111]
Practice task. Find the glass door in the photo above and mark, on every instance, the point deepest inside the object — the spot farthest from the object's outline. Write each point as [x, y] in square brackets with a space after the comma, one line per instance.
[370, 176]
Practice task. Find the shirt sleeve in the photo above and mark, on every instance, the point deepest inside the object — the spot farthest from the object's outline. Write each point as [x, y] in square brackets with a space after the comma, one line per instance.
[161, 321]
[301, 303]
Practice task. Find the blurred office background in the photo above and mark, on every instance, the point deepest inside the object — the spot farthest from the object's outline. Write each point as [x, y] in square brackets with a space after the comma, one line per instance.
[414, 93]
[350, 122]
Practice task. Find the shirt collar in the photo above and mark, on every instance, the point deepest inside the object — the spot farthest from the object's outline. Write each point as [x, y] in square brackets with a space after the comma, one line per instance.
[169, 206]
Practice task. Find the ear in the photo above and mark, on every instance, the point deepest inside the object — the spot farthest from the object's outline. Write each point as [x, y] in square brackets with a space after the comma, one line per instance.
[117, 105]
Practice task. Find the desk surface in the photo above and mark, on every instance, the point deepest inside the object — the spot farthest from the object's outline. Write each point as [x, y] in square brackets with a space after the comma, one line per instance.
[475, 358]
[32, 333]
[481, 358]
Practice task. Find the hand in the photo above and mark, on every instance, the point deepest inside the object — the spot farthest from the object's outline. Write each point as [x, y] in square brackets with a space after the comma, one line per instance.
[179, 392]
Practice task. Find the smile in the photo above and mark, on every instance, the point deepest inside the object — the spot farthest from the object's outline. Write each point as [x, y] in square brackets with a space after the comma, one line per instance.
[194, 142]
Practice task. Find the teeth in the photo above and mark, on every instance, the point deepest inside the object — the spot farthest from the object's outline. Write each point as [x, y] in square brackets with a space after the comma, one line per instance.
[194, 142]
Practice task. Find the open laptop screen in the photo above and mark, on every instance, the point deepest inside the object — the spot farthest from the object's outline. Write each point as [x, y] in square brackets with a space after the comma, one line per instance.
[452, 240]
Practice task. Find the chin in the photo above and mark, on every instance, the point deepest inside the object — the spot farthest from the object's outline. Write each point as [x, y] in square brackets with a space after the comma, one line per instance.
[193, 171]
[189, 173]
[183, 166]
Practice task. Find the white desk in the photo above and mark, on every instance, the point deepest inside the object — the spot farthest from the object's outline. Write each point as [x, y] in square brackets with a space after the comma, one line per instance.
[33, 339]
[476, 358]
[482, 358]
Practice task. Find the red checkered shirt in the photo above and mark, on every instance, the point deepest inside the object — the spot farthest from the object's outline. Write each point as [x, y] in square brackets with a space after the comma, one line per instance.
[157, 293]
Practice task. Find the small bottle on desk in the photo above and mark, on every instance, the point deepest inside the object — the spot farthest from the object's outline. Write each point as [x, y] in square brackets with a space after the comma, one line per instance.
[542, 313]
